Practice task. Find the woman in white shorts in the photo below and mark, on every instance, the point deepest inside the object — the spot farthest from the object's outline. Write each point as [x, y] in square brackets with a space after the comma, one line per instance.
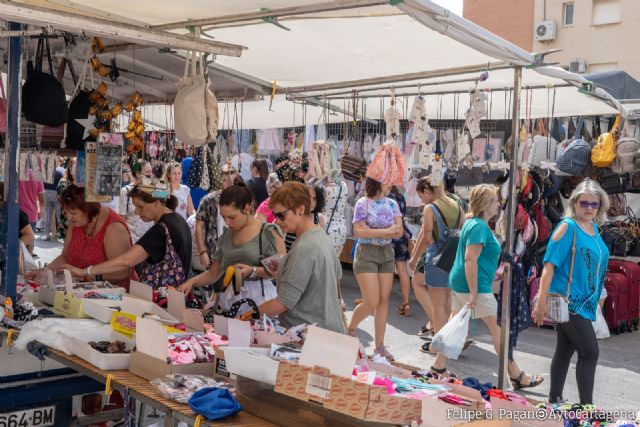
[472, 274]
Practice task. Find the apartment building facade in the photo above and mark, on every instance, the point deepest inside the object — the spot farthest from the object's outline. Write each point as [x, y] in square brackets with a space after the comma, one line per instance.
[593, 35]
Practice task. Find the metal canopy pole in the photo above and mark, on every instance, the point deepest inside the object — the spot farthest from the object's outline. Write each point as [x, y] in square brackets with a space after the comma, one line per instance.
[503, 374]
[11, 151]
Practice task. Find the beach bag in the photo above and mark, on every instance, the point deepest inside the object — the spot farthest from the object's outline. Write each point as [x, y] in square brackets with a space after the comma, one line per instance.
[603, 153]
[575, 158]
[43, 98]
[451, 338]
[195, 106]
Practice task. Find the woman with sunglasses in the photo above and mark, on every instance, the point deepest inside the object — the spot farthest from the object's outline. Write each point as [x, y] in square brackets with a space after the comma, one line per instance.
[576, 238]
[95, 234]
[244, 243]
[308, 275]
[163, 253]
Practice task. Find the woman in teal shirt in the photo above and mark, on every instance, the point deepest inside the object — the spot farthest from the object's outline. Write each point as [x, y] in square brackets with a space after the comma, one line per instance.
[472, 274]
[586, 209]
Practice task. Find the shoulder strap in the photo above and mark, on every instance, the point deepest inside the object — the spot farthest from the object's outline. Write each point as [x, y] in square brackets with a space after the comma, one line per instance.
[444, 219]
[573, 258]
[333, 211]
[260, 238]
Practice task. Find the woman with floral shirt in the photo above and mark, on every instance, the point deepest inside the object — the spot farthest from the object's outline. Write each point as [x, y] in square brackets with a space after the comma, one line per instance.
[376, 221]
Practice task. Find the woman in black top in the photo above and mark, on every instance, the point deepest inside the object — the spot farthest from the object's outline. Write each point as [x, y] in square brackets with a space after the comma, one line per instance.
[164, 261]
[258, 182]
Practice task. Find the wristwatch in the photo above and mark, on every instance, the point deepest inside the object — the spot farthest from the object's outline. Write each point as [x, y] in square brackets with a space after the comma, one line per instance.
[253, 275]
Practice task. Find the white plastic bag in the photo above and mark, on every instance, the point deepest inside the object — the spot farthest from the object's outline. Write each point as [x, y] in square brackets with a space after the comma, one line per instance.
[195, 107]
[450, 339]
[600, 325]
[27, 263]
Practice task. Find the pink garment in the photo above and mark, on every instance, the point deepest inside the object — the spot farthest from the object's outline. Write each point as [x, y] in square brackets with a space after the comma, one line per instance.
[266, 211]
[28, 196]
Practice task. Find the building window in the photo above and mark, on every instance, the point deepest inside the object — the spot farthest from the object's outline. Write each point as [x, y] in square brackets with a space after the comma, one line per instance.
[567, 14]
[606, 12]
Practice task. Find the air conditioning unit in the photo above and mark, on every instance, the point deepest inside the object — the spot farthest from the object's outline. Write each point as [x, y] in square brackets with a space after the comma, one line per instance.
[545, 31]
[578, 66]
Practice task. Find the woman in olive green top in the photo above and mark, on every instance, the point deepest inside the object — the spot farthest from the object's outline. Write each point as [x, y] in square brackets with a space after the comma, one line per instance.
[244, 243]
[440, 214]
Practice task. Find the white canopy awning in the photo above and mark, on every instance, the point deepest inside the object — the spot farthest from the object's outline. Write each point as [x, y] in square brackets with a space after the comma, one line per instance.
[344, 44]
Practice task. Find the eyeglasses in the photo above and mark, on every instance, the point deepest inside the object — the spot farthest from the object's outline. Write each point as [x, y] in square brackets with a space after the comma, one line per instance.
[593, 205]
[280, 216]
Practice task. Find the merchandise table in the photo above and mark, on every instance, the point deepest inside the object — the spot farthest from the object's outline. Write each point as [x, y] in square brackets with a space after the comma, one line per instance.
[141, 390]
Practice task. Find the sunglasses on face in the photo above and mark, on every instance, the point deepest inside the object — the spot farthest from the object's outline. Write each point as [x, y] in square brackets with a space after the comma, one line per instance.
[593, 205]
[280, 216]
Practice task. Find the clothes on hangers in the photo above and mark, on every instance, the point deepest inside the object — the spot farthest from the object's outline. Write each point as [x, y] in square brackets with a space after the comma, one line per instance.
[321, 132]
[269, 141]
[392, 120]
[334, 213]
[244, 160]
[309, 137]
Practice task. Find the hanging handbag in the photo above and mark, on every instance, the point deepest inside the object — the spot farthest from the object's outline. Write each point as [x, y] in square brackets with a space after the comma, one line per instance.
[618, 205]
[614, 183]
[43, 98]
[445, 257]
[574, 156]
[627, 151]
[195, 106]
[353, 168]
[558, 305]
[52, 137]
[603, 153]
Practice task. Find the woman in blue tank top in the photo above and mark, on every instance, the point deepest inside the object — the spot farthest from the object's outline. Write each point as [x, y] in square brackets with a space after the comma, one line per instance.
[586, 209]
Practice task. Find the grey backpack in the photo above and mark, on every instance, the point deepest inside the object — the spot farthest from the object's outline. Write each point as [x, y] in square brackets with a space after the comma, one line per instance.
[627, 150]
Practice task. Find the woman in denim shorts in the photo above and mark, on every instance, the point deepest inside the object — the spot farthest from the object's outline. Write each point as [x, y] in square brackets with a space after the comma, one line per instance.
[376, 221]
[440, 214]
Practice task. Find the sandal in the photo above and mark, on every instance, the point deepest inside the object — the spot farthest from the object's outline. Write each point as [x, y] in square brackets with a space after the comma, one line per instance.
[517, 382]
[405, 310]
[426, 348]
[442, 372]
[425, 331]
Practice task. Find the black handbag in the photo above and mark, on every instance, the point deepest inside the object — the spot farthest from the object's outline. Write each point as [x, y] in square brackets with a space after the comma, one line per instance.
[614, 183]
[446, 256]
[78, 109]
[43, 97]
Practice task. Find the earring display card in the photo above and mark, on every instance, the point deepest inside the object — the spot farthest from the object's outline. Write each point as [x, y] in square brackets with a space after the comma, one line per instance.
[108, 179]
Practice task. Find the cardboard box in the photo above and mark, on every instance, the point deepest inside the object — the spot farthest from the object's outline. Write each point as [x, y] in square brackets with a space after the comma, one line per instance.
[220, 366]
[323, 384]
[253, 363]
[78, 345]
[71, 304]
[101, 310]
[176, 306]
[151, 358]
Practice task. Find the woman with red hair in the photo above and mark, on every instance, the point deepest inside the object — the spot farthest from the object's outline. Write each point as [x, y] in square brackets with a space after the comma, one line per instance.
[95, 234]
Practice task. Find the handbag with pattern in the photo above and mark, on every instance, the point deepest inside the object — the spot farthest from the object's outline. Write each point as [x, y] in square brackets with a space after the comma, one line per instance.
[169, 271]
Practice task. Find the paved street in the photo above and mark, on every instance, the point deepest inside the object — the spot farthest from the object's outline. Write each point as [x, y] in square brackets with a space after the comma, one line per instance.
[617, 377]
